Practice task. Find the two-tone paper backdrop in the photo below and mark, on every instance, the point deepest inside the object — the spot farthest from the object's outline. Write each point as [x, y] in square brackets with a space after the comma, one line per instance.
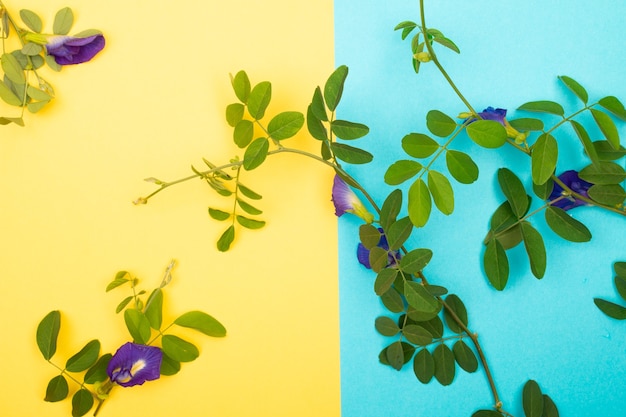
[152, 104]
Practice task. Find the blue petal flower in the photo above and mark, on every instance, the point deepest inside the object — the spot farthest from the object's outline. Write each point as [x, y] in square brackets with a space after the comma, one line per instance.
[363, 254]
[573, 182]
[134, 364]
[346, 201]
[69, 50]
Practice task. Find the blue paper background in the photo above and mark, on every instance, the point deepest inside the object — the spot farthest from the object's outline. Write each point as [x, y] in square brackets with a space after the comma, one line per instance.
[548, 330]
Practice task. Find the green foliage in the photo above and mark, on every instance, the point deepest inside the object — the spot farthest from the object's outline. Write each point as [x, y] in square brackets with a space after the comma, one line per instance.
[63, 21]
[85, 358]
[48, 333]
[57, 389]
[82, 401]
[487, 133]
[201, 322]
[178, 349]
[611, 309]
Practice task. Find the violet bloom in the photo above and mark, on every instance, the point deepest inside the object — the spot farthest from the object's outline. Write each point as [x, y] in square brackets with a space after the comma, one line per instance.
[69, 50]
[346, 201]
[363, 254]
[573, 182]
[134, 364]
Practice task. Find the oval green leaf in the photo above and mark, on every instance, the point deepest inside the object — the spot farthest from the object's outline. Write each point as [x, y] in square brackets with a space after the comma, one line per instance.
[461, 166]
[543, 106]
[424, 366]
[391, 208]
[218, 214]
[613, 105]
[457, 306]
[138, 325]
[612, 310]
[178, 349]
[317, 106]
[82, 401]
[57, 389]
[154, 309]
[259, 99]
[584, 138]
[256, 153]
[607, 126]
[415, 260]
[386, 326]
[419, 145]
[333, 89]
[402, 170]
[12, 69]
[47, 334]
[84, 359]
[441, 191]
[249, 223]
[243, 132]
[417, 335]
[487, 133]
[234, 113]
[169, 366]
[610, 195]
[315, 126]
[527, 124]
[369, 235]
[566, 226]
[465, 357]
[32, 20]
[9, 97]
[532, 399]
[241, 86]
[575, 87]
[419, 298]
[98, 372]
[444, 364]
[202, 322]
[440, 124]
[285, 125]
[496, 264]
[399, 232]
[544, 156]
[535, 248]
[348, 130]
[384, 280]
[419, 203]
[63, 21]
[603, 172]
[514, 191]
[351, 154]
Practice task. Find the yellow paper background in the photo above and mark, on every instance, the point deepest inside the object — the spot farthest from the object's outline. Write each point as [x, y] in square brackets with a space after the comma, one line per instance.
[151, 104]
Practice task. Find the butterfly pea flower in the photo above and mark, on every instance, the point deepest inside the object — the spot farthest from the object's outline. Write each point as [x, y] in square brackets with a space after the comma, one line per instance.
[363, 254]
[499, 115]
[346, 201]
[134, 364]
[69, 50]
[573, 182]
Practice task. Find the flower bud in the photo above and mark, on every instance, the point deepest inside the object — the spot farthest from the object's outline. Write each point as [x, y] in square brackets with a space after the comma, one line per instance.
[422, 56]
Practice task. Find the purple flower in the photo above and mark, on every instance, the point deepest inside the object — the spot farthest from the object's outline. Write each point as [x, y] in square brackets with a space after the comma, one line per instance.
[134, 364]
[68, 50]
[346, 201]
[363, 254]
[573, 182]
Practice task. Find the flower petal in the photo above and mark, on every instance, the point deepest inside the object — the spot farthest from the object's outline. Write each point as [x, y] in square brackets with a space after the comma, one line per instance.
[134, 364]
[575, 183]
[68, 50]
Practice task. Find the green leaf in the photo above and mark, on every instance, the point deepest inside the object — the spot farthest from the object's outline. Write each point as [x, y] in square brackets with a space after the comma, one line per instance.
[315, 126]
[138, 325]
[122, 305]
[32, 20]
[392, 300]
[241, 86]
[585, 140]
[317, 106]
[9, 97]
[544, 190]
[613, 105]
[419, 145]
[63, 21]
[496, 264]
[348, 130]
[535, 248]
[82, 401]
[47, 334]
[57, 389]
[424, 366]
[444, 364]
[248, 192]
[154, 309]
[369, 235]
[447, 43]
[604, 172]
[402, 170]
[384, 280]
[121, 278]
[226, 239]
[243, 132]
[98, 372]
[35, 106]
[386, 326]
[487, 133]
[218, 214]
[440, 124]
[606, 152]
[31, 49]
[514, 191]
[178, 349]
[543, 106]
[419, 298]
[532, 399]
[486, 413]
[545, 153]
[417, 335]
[566, 226]
[503, 218]
[379, 258]
[610, 195]
[234, 113]
[456, 305]
[169, 366]
[333, 89]
[12, 69]
[607, 126]
[419, 204]
[259, 99]
[396, 354]
[285, 125]
[351, 154]
[201, 322]
[256, 153]
[465, 357]
[250, 223]
[526, 124]
[248, 208]
[612, 310]
[441, 191]
[391, 208]
[84, 359]
[576, 88]
[415, 260]
[461, 167]
[620, 270]
[398, 233]
[549, 408]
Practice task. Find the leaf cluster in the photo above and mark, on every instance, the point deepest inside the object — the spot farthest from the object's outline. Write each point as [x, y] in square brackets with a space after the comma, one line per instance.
[534, 402]
[423, 37]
